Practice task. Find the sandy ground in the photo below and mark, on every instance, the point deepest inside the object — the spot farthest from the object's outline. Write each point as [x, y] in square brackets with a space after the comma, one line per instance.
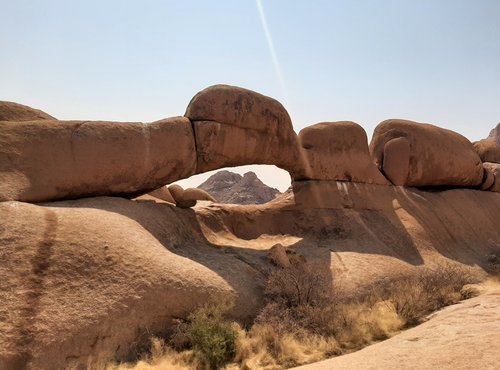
[462, 336]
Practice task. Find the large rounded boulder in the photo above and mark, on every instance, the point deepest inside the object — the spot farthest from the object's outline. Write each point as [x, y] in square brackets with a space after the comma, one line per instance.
[420, 154]
[235, 126]
[338, 151]
[50, 159]
[10, 111]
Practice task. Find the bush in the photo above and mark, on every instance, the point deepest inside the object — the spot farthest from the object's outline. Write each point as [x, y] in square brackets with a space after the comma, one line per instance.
[427, 290]
[297, 285]
[212, 337]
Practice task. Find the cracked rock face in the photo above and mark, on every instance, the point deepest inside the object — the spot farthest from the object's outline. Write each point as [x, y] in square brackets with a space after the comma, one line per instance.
[437, 157]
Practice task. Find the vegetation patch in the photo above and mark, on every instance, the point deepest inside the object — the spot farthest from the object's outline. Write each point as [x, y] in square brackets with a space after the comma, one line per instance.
[307, 319]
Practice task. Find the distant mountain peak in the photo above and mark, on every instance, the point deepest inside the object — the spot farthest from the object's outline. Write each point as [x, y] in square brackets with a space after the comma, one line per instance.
[229, 187]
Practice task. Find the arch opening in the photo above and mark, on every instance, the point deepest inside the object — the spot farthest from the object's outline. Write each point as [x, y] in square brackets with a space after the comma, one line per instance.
[249, 184]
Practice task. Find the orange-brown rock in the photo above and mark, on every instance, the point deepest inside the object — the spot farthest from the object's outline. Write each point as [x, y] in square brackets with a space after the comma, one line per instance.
[488, 150]
[47, 160]
[338, 151]
[235, 126]
[10, 111]
[197, 194]
[187, 198]
[488, 177]
[438, 157]
[83, 280]
[163, 193]
[397, 160]
[494, 168]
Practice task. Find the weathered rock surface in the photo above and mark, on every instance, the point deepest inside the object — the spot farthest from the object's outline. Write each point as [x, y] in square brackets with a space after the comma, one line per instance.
[187, 198]
[10, 111]
[493, 168]
[397, 160]
[163, 193]
[338, 151]
[82, 280]
[438, 157]
[93, 275]
[230, 187]
[235, 126]
[47, 160]
[489, 148]
[488, 177]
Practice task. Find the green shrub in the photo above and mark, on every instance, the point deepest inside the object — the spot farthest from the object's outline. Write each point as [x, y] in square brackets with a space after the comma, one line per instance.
[212, 336]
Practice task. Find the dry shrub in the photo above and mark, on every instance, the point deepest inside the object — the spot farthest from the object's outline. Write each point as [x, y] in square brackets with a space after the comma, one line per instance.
[300, 284]
[416, 295]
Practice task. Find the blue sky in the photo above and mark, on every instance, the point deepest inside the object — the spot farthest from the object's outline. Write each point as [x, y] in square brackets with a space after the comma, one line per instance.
[434, 61]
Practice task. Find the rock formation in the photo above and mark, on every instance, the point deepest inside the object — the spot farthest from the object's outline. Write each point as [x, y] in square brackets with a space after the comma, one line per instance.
[493, 170]
[84, 281]
[163, 193]
[188, 197]
[47, 160]
[338, 151]
[235, 126]
[425, 155]
[230, 187]
[10, 111]
[489, 148]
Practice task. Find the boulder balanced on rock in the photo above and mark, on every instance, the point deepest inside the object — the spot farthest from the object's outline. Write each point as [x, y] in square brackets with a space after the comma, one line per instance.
[188, 198]
[419, 154]
[338, 151]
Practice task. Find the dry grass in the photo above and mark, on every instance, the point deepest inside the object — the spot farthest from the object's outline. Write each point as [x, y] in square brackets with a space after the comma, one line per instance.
[306, 320]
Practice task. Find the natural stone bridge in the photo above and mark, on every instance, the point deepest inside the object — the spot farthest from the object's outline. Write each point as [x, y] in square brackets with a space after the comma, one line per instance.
[43, 159]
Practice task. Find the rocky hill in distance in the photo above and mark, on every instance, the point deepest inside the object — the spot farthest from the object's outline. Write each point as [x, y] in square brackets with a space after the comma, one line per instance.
[229, 187]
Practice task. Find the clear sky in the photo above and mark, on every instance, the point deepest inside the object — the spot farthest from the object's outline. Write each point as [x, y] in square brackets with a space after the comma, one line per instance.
[435, 61]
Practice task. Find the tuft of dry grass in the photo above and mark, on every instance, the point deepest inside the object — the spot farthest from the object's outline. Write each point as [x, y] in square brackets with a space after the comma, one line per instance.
[161, 356]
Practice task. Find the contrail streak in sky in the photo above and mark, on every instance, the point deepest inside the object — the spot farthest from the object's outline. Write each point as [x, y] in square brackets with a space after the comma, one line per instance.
[274, 57]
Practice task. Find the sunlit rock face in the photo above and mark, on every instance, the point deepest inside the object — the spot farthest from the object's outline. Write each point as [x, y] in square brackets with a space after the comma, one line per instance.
[235, 126]
[10, 111]
[338, 151]
[428, 155]
[50, 159]
[489, 148]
